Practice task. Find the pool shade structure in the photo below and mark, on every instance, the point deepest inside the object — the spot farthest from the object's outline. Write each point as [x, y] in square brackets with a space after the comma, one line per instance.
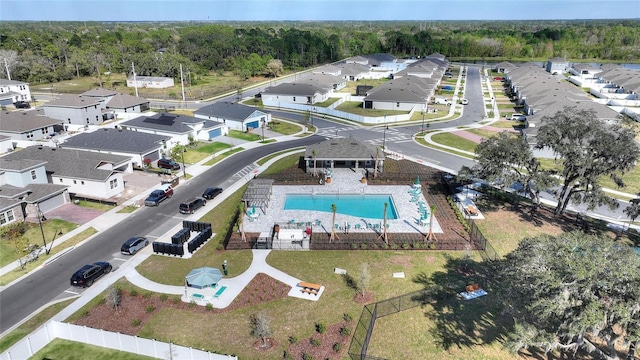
[203, 277]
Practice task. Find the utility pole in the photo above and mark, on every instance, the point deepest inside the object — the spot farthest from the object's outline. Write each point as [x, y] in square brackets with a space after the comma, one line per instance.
[182, 84]
[135, 83]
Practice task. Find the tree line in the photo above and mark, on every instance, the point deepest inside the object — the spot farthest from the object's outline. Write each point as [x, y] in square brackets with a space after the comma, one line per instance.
[53, 51]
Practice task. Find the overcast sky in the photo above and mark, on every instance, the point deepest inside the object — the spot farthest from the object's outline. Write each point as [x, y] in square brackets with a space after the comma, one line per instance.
[260, 10]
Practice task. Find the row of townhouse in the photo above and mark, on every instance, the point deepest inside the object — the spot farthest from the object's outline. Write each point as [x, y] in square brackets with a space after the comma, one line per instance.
[541, 93]
[12, 91]
[411, 86]
[92, 163]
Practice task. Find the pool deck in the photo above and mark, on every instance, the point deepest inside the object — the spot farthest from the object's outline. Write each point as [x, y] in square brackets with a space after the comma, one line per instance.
[344, 181]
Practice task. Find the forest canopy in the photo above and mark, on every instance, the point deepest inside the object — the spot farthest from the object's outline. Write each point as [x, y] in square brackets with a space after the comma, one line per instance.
[54, 51]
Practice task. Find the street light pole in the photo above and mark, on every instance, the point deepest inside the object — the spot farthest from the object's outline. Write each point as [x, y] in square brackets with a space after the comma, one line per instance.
[40, 218]
[422, 128]
[384, 139]
[184, 168]
[263, 121]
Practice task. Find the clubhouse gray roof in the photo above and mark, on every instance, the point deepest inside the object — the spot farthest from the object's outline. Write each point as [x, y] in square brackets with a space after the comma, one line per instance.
[228, 110]
[124, 101]
[75, 101]
[71, 163]
[171, 123]
[99, 92]
[118, 140]
[342, 149]
[24, 121]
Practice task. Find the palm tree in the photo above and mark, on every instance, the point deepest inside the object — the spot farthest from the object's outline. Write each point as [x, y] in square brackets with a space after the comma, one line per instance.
[334, 208]
[383, 234]
[242, 209]
[313, 154]
[431, 236]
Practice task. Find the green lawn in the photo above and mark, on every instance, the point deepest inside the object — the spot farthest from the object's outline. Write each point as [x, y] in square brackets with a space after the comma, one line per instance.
[285, 127]
[246, 136]
[60, 349]
[355, 107]
[327, 102]
[449, 139]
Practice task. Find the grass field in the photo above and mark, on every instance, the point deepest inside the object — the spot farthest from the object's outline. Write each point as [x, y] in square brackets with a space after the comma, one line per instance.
[355, 107]
[61, 349]
[449, 139]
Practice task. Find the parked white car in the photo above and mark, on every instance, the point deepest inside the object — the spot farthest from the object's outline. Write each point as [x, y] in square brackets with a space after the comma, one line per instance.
[442, 101]
[464, 101]
[518, 117]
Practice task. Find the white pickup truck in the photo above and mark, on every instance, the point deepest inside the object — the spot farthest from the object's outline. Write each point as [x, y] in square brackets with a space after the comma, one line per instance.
[441, 101]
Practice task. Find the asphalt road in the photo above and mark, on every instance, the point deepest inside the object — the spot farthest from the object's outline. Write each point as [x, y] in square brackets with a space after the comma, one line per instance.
[52, 282]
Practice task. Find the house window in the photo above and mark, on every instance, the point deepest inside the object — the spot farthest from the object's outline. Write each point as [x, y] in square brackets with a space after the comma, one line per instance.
[69, 120]
[60, 180]
[44, 131]
[74, 182]
[397, 104]
[87, 120]
[7, 217]
[33, 175]
[113, 183]
[294, 99]
[96, 118]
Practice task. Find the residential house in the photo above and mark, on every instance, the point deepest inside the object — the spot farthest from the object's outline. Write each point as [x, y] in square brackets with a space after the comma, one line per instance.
[234, 116]
[104, 96]
[504, 67]
[152, 82]
[557, 65]
[75, 110]
[405, 94]
[295, 93]
[127, 104]
[336, 83]
[85, 173]
[135, 145]
[12, 91]
[27, 126]
[181, 128]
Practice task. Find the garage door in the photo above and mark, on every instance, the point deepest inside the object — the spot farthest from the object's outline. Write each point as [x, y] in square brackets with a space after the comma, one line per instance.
[215, 133]
[253, 125]
[52, 203]
[152, 155]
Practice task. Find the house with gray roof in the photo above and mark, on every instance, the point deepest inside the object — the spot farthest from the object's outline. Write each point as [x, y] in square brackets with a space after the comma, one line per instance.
[152, 82]
[234, 116]
[181, 128]
[28, 125]
[75, 110]
[295, 93]
[406, 93]
[127, 104]
[556, 65]
[504, 67]
[135, 145]
[12, 91]
[86, 174]
[342, 153]
[100, 94]
[336, 83]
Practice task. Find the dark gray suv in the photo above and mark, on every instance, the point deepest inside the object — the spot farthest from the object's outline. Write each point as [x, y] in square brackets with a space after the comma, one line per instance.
[190, 205]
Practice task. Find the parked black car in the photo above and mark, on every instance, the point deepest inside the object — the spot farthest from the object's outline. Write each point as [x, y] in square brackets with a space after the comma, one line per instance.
[88, 274]
[22, 105]
[190, 205]
[133, 245]
[168, 164]
[155, 198]
[210, 193]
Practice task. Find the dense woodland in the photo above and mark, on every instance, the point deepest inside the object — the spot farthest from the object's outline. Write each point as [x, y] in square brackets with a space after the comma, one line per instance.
[52, 51]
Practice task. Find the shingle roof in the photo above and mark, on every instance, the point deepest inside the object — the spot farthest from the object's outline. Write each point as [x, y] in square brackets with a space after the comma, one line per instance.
[11, 82]
[75, 101]
[23, 121]
[296, 89]
[41, 192]
[20, 164]
[12, 192]
[71, 163]
[172, 123]
[6, 204]
[342, 149]
[119, 140]
[123, 101]
[100, 92]
[228, 110]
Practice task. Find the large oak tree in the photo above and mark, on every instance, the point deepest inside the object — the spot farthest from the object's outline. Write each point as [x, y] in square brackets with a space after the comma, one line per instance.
[587, 148]
[572, 292]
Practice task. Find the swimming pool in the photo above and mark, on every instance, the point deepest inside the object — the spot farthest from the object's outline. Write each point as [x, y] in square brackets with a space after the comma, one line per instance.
[367, 206]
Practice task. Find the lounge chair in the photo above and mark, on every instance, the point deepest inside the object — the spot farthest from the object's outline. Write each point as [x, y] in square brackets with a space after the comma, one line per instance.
[357, 226]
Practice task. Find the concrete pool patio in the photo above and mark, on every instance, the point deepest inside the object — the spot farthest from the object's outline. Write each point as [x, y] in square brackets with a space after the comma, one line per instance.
[344, 181]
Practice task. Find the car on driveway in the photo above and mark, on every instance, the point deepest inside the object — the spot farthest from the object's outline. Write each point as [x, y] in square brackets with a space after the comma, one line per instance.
[133, 245]
[22, 105]
[155, 198]
[210, 193]
[88, 274]
[168, 164]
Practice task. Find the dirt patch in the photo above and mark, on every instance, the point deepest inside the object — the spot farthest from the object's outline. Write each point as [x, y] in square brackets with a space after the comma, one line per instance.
[265, 345]
[402, 260]
[135, 310]
[367, 298]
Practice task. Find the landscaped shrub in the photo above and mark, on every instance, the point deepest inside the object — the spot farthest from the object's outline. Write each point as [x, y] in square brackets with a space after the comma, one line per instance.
[164, 297]
[175, 299]
[354, 246]
[192, 304]
[394, 246]
[363, 246]
[406, 246]
[315, 342]
[136, 322]
[306, 356]
[374, 246]
[385, 246]
[287, 355]
[345, 331]
[337, 347]
[293, 340]
[347, 317]
[147, 294]
[321, 328]
[150, 308]
[133, 293]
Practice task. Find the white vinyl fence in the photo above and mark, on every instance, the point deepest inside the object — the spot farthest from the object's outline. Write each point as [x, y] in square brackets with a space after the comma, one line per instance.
[31, 344]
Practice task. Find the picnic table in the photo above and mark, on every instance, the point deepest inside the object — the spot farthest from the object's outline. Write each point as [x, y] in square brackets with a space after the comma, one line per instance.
[309, 288]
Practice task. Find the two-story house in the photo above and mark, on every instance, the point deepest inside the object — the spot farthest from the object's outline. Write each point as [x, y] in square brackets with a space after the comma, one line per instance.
[12, 91]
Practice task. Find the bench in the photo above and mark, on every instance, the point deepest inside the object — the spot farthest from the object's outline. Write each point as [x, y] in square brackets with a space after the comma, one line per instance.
[310, 291]
[309, 288]
[197, 296]
[219, 292]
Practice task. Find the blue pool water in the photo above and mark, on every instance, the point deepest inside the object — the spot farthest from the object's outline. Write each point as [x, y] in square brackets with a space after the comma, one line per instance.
[366, 206]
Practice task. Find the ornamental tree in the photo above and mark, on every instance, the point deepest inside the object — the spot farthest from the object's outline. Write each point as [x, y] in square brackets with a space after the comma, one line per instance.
[571, 292]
